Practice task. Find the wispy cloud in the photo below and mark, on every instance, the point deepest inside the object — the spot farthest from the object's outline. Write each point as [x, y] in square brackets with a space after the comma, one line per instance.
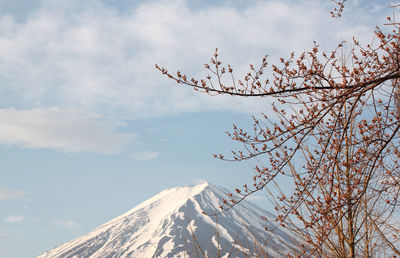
[14, 219]
[60, 129]
[144, 155]
[83, 54]
[10, 194]
[197, 181]
[68, 224]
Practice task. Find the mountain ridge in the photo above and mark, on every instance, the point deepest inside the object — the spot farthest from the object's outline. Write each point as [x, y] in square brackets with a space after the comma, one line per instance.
[171, 224]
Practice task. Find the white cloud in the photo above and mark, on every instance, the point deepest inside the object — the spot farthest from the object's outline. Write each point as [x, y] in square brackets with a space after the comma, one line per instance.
[6, 194]
[85, 55]
[144, 155]
[59, 129]
[14, 219]
[197, 181]
[68, 224]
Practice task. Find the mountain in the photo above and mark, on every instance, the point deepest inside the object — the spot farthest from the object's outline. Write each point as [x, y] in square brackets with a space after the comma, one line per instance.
[171, 224]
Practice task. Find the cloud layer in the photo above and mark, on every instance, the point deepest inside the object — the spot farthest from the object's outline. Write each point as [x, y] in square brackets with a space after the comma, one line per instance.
[67, 224]
[144, 155]
[14, 219]
[86, 55]
[6, 194]
[63, 130]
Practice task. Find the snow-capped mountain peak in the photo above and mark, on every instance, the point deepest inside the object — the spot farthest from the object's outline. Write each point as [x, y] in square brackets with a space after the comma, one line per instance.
[171, 224]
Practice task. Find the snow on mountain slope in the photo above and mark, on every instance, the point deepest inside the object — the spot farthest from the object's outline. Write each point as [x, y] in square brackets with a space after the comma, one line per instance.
[171, 224]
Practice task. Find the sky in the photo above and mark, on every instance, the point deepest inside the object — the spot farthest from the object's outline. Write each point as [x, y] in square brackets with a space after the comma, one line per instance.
[89, 128]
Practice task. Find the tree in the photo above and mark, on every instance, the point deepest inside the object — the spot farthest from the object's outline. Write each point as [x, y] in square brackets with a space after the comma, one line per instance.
[338, 115]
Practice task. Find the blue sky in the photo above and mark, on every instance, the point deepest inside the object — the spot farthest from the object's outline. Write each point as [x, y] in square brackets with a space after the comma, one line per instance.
[88, 127]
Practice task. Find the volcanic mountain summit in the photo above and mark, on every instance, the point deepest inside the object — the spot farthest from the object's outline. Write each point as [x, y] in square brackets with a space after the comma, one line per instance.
[171, 224]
